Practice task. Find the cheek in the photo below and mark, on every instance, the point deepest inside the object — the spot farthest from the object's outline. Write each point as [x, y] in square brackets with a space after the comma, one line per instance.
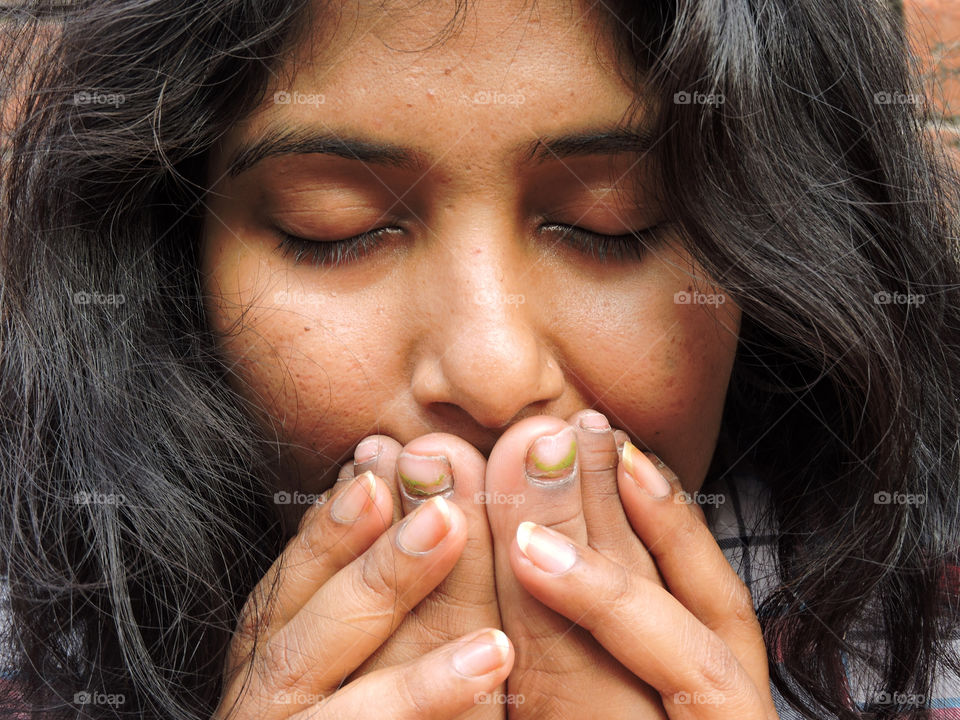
[313, 363]
[661, 370]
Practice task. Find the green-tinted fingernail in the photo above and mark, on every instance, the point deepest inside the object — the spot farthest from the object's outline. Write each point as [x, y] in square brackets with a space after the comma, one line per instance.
[423, 476]
[552, 459]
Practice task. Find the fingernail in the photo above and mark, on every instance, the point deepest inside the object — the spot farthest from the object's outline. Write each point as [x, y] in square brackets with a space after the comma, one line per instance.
[551, 459]
[368, 449]
[485, 653]
[661, 466]
[548, 550]
[425, 527]
[594, 421]
[355, 499]
[423, 476]
[650, 480]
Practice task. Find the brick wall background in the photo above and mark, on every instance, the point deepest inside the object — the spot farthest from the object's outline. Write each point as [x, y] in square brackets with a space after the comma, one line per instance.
[933, 27]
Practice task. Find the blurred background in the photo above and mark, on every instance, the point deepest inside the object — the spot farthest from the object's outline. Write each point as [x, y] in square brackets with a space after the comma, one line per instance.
[933, 27]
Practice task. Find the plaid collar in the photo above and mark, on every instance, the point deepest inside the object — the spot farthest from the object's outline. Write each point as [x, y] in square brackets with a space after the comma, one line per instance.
[738, 512]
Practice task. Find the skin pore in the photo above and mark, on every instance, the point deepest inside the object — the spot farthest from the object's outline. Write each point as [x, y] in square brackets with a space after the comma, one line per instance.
[475, 310]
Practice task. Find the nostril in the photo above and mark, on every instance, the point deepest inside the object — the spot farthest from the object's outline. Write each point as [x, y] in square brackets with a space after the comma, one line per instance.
[454, 416]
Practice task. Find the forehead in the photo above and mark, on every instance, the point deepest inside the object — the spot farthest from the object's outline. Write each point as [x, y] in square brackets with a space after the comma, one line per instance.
[459, 38]
[482, 75]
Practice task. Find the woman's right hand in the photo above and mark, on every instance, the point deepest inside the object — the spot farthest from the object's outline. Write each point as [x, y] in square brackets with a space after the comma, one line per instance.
[342, 585]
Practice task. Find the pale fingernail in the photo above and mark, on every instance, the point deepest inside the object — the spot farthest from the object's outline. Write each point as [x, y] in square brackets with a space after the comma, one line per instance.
[423, 476]
[594, 421]
[619, 437]
[424, 528]
[548, 550]
[483, 654]
[552, 459]
[648, 479]
[368, 449]
[355, 500]
[661, 466]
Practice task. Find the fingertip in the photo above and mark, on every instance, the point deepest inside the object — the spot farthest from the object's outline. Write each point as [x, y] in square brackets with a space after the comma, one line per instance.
[485, 652]
[383, 500]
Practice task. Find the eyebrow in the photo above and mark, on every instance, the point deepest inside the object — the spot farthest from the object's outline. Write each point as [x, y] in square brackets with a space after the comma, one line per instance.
[308, 141]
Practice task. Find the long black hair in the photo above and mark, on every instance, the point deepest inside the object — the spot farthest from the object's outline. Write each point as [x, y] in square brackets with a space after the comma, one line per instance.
[136, 513]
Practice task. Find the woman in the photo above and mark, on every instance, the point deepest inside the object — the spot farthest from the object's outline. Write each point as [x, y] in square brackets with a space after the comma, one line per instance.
[241, 239]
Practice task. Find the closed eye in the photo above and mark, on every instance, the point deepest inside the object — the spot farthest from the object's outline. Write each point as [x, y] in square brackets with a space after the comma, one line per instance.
[599, 246]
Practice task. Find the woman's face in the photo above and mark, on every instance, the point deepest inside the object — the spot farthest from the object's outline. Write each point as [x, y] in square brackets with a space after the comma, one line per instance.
[474, 308]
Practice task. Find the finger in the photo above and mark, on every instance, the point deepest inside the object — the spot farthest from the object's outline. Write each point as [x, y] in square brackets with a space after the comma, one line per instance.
[608, 530]
[346, 472]
[621, 437]
[378, 453]
[442, 684]
[359, 608]
[693, 566]
[332, 534]
[641, 624]
[558, 665]
[446, 465]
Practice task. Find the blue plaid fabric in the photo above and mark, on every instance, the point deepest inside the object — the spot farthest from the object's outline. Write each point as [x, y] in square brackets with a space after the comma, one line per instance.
[737, 509]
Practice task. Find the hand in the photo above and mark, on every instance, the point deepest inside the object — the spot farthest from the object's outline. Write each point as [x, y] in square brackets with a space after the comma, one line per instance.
[342, 585]
[666, 604]
[466, 598]
[561, 671]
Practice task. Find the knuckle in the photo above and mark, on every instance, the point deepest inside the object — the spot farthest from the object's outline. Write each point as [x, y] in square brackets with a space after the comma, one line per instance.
[375, 578]
[452, 598]
[687, 526]
[414, 696]
[282, 660]
[313, 534]
[618, 594]
[255, 617]
[714, 665]
[741, 600]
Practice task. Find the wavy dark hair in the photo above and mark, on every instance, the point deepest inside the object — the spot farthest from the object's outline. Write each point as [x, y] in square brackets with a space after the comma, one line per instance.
[804, 193]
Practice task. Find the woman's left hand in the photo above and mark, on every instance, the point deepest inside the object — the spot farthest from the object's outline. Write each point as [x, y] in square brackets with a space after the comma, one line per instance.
[664, 602]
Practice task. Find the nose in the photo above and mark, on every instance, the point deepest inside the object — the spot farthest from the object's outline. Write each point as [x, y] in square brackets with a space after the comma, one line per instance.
[486, 352]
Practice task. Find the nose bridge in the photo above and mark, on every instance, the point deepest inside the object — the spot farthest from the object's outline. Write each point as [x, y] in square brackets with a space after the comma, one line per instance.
[492, 361]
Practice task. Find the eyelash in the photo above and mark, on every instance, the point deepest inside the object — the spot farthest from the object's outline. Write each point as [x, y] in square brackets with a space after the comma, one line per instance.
[602, 248]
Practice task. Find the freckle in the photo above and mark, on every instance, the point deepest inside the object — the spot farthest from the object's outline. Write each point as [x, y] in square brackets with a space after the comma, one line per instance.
[306, 329]
[446, 71]
[689, 288]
